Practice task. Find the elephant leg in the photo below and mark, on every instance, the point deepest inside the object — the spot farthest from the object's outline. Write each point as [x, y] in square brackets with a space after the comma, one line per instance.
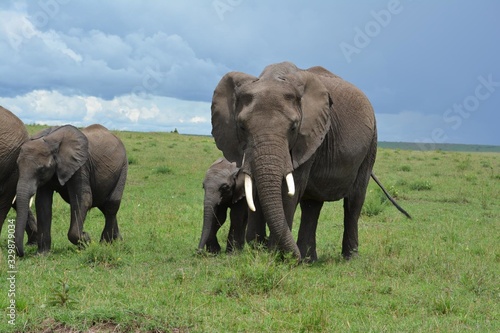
[306, 240]
[80, 203]
[352, 210]
[111, 231]
[43, 202]
[7, 194]
[4, 210]
[353, 203]
[110, 209]
[236, 236]
[256, 227]
[212, 244]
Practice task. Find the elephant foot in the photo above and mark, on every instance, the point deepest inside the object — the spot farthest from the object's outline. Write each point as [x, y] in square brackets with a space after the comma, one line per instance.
[42, 252]
[106, 238]
[205, 254]
[310, 258]
[308, 252]
[213, 248]
[350, 255]
[31, 242]
[83, 241]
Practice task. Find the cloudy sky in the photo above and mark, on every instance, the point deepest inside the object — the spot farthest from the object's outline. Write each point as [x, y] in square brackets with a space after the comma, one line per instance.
[430, 68]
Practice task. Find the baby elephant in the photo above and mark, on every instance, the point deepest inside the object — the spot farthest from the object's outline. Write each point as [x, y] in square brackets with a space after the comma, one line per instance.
[88, 168]
[224, 188]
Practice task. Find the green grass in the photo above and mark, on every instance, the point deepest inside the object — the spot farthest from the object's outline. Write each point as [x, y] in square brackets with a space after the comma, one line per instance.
[435, 273]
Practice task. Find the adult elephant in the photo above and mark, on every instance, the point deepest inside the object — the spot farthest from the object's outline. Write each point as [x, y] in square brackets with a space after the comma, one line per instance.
[223, 186]
[88, 168]
[13, 134]
[308, 127]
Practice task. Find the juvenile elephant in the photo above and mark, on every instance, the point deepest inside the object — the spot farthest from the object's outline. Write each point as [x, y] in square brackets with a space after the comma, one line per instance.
[13, 134]
[223, 185]
[299, 136]
[88, 168]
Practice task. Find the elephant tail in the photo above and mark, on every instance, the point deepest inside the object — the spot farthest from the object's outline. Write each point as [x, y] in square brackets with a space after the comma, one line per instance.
[391, 199]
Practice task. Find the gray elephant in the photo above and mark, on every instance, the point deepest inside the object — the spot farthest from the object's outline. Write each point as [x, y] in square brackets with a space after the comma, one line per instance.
[223, 186]
[299, 136]
[13, 134]
[88, 168]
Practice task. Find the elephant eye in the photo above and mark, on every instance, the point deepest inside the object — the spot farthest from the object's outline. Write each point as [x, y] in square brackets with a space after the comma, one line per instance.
[240, 123]
[245, 99]
[241, 126]
[224, 189]
[294, 126]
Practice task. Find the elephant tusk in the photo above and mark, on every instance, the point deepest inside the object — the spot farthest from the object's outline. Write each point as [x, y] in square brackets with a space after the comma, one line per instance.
[291, 184]
[248, 192]
[31, 200]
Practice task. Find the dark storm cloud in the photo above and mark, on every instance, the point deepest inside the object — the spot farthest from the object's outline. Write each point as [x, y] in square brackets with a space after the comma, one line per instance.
[414, 60]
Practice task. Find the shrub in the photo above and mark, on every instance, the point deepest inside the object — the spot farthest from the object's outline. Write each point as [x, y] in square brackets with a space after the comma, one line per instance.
[163, 170]
[132, 160]
[421, 185]
[405, 168]
[375, 203]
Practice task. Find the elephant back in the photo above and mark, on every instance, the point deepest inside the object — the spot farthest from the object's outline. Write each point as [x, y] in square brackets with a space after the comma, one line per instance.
[13, 134]
[108, 160]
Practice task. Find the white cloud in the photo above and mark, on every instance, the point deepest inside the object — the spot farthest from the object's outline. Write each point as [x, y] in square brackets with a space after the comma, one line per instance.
[157, 113]
[101, 64]
[198, 120]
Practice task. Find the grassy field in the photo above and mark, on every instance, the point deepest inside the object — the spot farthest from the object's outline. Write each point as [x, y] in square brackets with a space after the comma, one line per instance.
[438, 272]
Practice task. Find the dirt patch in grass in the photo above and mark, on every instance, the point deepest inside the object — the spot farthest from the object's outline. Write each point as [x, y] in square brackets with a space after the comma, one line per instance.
[52, 326]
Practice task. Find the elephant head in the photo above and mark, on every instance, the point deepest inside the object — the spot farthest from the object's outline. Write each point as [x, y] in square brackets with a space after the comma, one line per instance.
[271, 125]
[223, 186]
[52, 155]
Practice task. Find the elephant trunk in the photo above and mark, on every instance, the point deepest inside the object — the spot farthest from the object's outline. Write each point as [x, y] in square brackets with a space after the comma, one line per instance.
[270, 164]
[24, 194]
[210, 227]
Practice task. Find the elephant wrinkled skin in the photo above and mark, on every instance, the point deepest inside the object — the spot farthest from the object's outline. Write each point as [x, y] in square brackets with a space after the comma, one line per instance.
[308, 123]
[13, 134]
[88, 168]
[223, 186]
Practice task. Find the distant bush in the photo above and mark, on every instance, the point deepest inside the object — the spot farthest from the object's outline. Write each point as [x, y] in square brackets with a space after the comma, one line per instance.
[465, 164]
[132, 160]
[163, 170]
[421, 185]
[405, 168]
[375, 203]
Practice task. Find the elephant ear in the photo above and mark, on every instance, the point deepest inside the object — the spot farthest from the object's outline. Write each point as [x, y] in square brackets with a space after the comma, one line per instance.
[316, 107]
[224, 127]
[70, 148]
[239, 186]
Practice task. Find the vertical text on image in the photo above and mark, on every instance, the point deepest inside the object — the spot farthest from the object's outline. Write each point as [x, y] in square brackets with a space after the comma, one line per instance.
[11, 272]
